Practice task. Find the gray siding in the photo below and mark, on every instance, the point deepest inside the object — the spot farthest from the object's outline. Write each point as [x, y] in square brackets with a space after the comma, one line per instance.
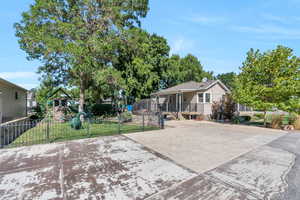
[10, 106]
[216, 91]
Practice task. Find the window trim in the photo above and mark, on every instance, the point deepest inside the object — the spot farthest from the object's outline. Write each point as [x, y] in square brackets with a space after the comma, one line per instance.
[204, 97]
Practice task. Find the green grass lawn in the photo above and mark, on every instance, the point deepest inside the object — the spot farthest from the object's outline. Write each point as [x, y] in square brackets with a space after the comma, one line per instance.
[63, 131]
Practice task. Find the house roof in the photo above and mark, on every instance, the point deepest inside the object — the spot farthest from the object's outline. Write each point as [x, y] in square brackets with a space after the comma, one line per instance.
[61, 90]
[11, 84]
[190, 86]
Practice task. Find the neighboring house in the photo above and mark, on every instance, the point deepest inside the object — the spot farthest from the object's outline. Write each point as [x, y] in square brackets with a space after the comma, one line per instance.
[107, 101]
[12, 101]
[191, 97]
[31, 101]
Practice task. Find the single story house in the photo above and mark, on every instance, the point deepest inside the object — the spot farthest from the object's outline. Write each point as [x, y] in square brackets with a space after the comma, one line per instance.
[13, 103]
[191, 97]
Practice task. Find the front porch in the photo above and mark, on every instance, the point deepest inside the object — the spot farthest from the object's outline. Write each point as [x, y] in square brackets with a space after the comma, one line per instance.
[182, 105]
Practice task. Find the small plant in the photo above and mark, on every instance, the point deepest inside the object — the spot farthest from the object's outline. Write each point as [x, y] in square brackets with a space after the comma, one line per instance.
[200, 117]
[223, 109]
[297, 123]
[236, 120]
[259, 115]
[276, 121]
[126, 117]
[241, 119]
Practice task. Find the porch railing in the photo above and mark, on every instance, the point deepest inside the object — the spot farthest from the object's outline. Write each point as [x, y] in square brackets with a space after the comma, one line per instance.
[185, 107]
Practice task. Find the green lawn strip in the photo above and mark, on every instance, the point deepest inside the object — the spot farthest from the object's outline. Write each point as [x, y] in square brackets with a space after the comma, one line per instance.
[62, 132]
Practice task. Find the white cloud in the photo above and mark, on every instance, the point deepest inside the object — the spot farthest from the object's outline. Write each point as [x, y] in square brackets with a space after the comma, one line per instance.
[280, 19]
[273, 18]
[17, 75]
[271, 31]
[181, 44]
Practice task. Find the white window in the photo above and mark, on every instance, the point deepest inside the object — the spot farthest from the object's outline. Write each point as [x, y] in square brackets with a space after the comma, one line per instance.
[207, 98]
[200, 97]
[204, 98]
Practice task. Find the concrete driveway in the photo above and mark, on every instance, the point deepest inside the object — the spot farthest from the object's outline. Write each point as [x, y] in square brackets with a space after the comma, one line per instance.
[202, 146]
[109, 168]
[209, 161]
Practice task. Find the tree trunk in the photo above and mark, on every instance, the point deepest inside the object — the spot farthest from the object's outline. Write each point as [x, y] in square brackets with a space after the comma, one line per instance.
[81, 99]
[265, 118]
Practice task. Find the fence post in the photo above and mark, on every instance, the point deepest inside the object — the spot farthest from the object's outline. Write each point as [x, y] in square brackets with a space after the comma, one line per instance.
[48, 130]
[161, 120]
[0, 135]
[143, 122]
[88, 128]
[119, 123]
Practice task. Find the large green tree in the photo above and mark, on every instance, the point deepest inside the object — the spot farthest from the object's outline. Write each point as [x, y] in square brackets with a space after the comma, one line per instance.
[269, 80]
[227, 78]
[73, 39]
[184, 69]
[142, 61]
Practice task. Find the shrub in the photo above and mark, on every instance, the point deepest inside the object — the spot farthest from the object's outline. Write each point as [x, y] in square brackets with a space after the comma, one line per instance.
[259, 115]
[236, 120]
[200, 117]
[229, 107]
[216, 110]
[241, 119]
[223, 109]
[297, 123]
[276, 121]
[34, 117]
[246, 118]
[102, 109]
[126, 117]
[293, 118]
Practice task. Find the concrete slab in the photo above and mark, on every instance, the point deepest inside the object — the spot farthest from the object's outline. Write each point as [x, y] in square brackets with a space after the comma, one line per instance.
[258, 172]
[290, 143]
[100, 168]
[204, 188]
[265, 173]
[28, 157]
[202, 146]
[32, 184]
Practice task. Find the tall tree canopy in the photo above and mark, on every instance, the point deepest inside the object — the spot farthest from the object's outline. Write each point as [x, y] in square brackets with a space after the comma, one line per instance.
[184, 69]
[142, 61]
[227, 78]
[269, 80]
[75, 38]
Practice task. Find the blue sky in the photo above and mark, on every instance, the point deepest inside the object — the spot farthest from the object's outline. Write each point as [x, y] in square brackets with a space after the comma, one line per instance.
[219, 32]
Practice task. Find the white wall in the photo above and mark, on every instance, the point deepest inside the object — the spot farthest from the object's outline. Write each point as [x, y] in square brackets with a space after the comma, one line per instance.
[11, 107]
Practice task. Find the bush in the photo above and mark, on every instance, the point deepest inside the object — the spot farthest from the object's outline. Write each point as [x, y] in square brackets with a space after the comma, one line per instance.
[297, 123]
[223, 109]
[126, 117]
[34, 117]
[102, 109]
[259, 115]
[246, 118]
[276, 121]
[200, 117]
[236, 120]
[241, 119]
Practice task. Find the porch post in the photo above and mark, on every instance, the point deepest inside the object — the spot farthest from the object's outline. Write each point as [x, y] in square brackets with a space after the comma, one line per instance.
[157, 103]
[168, 99]
[176, 102]
[180, 102]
